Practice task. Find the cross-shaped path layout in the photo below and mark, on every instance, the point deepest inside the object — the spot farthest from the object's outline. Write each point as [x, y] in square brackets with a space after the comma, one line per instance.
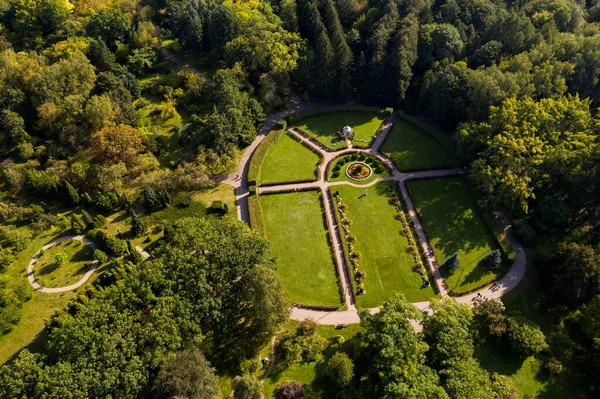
[239, 180]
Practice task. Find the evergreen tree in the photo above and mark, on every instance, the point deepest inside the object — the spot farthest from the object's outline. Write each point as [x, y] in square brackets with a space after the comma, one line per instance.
[404, 56]
[343, 55]
[138, 227]
[452, 264]
[150, 198]
[493, 260]
[70, 196]
[377, 81]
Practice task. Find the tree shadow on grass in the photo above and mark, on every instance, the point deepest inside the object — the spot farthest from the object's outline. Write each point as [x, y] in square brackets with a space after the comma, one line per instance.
[457, 234]
[495, 358]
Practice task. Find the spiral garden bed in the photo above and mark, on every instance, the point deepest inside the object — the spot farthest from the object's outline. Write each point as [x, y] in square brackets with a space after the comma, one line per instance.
[358, 171]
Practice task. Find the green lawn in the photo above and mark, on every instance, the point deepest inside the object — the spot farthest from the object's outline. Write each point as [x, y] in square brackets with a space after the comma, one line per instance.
[413, 148]
[345, 161]
[384, 258]
[323, 127]
[528, 376]
[79, 258]
[295, 227]
[287, 159]
[28, 333]
[453, 223]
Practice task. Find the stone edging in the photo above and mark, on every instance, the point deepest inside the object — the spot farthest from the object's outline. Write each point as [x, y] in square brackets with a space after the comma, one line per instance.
[363, 163]
[78, 284]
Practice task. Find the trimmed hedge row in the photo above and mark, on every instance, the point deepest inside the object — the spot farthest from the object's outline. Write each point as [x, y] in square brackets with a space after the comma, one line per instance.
[279, 183]
[315, 307]
[294, 118]
[296, 190]
[347, 264]
[255, 215]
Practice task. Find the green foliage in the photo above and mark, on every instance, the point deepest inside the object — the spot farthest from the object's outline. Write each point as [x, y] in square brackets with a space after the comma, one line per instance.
[112, 245]
[100, 256]
[186, 374]
[525, 338]
[138, 227]
[493, 260]
[60, 258]
[289, 390]
[340, 369]
[111, 25]
[246, 387]
[572, 275]
[452, 264]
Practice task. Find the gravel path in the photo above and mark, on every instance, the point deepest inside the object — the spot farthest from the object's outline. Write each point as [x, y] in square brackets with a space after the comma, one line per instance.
[78, 284]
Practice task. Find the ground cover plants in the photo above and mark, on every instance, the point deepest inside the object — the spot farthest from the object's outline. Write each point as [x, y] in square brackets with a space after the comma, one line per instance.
[340, 166]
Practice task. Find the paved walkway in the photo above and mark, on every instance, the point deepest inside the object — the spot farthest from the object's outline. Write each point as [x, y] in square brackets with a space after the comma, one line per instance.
[350, 316]
[239, 181]
[78, 284]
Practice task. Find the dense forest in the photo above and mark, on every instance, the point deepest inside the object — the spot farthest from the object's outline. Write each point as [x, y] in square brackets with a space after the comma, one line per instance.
[515, 83]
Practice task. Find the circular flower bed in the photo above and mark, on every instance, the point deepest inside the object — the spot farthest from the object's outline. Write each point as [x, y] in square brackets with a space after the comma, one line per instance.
[358, 171]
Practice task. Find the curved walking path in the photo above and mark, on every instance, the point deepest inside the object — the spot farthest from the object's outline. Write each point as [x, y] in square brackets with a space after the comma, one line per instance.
[239, 181]
[350, 316]
[78, 284]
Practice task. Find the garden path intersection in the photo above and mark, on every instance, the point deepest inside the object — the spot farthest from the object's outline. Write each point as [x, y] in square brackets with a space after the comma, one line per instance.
[239, 180]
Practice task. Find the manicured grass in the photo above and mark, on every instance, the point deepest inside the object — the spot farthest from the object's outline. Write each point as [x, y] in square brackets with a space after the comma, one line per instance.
[384, 258]
[287, 159]
[79, 258]
[453, 223]
[413, 148]
[345, 161]
[295, 227]
[324, 127]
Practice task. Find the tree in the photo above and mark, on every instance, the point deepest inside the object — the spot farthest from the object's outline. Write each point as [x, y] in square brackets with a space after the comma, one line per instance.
[112, 145]
[438, 42]
[187, 374]
[397, 352]
[289, 390]
[517, 151]
[405, 55]
[493, 260]
[525, 338]
[490, 319]
[246, 387]
[111, 25]
[12, 129]
[138, 227]
[572, 275]
[444, 94]
[69, 194]
[60, 259]
[452, 264]
[340, 369]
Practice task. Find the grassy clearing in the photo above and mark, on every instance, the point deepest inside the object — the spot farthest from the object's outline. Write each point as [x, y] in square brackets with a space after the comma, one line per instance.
[79, 257]
[28, 333]
[413, 148]
[384, 258]
[453, 223]
[287, 159]
[324, 127]
[345, 161]
[295, 227]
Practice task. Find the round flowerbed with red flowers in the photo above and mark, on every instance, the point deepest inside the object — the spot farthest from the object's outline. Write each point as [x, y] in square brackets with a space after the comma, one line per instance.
[358, 171]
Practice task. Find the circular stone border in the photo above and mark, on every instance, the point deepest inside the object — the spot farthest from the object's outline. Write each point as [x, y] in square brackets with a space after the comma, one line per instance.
[362, 163]
[78, 284]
